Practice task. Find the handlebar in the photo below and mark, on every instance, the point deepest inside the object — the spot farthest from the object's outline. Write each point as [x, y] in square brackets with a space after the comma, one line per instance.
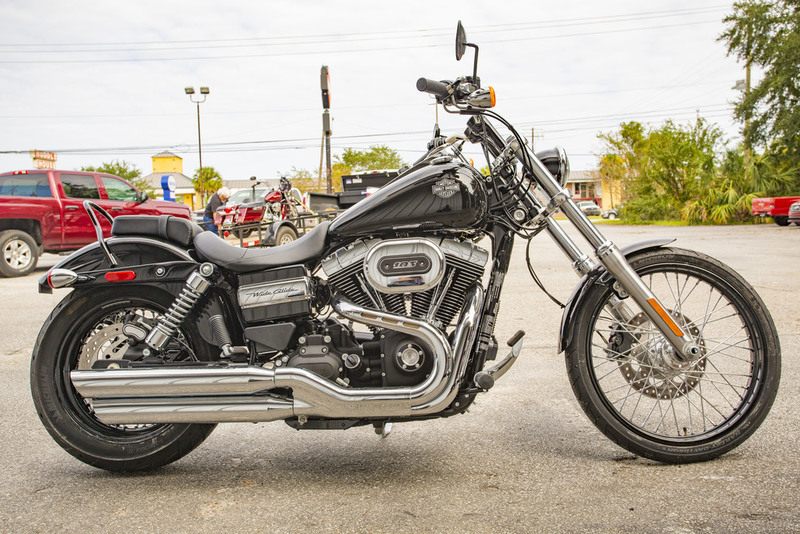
[440, 89]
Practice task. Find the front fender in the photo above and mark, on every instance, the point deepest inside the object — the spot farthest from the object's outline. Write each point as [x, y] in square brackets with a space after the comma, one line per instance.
[594, 276]
[141, 255]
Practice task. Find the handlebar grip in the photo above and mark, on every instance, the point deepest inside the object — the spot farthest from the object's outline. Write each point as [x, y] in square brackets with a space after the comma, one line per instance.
[433, 87]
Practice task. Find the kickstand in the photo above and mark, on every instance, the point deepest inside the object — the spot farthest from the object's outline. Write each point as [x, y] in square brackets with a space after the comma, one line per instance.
[383, 429]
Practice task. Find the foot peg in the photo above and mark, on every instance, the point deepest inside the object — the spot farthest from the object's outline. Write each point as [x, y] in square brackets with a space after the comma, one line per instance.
[485, 379]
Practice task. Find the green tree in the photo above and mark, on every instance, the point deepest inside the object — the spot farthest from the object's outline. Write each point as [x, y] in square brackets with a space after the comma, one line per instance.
[660, 169]
[730, 197]
[376, 158]
[208, 183]
[766, 34]
[125, 170]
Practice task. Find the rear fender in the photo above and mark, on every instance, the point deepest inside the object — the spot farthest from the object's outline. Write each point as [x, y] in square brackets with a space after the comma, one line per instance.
[598, 275]
[151, 261]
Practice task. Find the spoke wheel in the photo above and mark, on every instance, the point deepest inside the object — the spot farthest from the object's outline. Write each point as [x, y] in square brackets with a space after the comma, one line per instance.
[85, 329]
[629, 382]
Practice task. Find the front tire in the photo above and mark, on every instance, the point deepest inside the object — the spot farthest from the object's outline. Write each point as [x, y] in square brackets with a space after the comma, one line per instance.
[85, 327]
[626, 383]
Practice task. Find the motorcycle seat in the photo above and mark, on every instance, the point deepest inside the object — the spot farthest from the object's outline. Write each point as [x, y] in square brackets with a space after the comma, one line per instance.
[166, 227]
[210, 247]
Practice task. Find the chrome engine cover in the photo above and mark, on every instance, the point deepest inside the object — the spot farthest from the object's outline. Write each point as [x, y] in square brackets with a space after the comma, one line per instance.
[436, 292]
[404, 265]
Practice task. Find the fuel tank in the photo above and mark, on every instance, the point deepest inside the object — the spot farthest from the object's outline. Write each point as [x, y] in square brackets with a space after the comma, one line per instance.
[442, 194]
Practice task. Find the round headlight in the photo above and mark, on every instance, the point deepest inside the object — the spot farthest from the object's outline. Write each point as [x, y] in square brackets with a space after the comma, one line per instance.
[563, 166]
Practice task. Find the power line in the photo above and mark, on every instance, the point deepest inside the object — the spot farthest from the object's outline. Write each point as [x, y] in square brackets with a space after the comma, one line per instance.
[382, 35]
[328, 51]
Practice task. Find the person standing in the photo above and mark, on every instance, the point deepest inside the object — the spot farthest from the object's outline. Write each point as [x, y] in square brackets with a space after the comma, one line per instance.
[217, 199]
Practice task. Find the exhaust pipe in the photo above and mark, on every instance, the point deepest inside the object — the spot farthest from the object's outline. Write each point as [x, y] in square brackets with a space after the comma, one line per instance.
[241, 393]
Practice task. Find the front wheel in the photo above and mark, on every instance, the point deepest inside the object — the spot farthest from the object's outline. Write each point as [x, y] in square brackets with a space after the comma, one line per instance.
[84, 329]
[632, 388]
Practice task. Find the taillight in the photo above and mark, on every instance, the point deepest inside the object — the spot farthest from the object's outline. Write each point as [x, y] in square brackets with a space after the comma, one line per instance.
[120, 276]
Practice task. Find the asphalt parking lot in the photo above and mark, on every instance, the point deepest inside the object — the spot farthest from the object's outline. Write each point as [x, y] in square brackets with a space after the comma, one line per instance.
[524, 459]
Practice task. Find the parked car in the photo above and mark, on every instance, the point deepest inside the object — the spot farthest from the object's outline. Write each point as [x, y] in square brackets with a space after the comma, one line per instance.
[42, 210]
[589, 207]
[775, 207]
[794, 213]
[612, 214]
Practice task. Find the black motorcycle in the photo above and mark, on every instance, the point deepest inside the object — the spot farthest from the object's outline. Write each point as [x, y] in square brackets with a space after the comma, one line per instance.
[382, 316]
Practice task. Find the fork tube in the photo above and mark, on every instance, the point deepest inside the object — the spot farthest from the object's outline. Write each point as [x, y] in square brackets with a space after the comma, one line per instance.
[612, 259]
[580, 261]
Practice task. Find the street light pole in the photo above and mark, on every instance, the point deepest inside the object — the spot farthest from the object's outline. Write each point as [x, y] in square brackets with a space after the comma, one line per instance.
[204, 91]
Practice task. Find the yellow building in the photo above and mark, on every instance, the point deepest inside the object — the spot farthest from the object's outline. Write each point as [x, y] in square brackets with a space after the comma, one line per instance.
[589, 185]
[168, 164]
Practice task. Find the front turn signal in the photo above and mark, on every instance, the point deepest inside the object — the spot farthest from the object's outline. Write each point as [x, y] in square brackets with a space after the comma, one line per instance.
[482, 98]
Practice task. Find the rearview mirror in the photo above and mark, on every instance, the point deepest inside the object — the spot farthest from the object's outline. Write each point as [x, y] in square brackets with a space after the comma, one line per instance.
[142, 196]
[461, 41]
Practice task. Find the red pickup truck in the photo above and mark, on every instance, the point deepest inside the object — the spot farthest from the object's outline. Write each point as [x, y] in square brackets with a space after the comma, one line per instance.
[775, 207]
[42, 210]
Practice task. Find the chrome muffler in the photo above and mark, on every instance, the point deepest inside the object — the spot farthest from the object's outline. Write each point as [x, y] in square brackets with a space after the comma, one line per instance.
[243, 393]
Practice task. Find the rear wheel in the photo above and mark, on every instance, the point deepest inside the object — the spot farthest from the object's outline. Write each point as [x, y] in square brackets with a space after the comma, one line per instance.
[781, 220]
[83, 329]
[636, 393]
[19, 253]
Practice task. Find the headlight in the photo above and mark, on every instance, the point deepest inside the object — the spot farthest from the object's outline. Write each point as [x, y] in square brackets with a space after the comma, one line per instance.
[556, 161]
[563, 166]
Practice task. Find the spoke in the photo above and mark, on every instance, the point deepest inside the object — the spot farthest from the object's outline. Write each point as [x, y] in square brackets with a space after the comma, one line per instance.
[725, 382]
[724, 341]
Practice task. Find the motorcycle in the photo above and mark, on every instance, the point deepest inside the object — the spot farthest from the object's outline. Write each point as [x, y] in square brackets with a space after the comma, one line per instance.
[284, 203]
[381, 316]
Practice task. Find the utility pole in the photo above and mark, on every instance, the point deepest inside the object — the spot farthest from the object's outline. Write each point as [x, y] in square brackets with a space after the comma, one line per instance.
[534, 135]
[748, 148]
[325, 82]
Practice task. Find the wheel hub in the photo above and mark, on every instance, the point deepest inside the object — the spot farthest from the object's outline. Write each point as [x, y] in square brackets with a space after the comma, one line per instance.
[17, 254]
[647, 360]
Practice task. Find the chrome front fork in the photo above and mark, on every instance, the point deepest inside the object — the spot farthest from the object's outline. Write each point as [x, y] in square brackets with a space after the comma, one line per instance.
[610, 257]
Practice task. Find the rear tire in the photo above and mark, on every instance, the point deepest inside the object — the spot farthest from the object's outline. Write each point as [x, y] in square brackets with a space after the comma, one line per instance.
[630, 389]
[781, 220]
[77, 330]
[19, 253]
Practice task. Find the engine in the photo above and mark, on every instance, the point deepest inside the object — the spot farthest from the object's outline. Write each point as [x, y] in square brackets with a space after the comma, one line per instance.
[424, 278]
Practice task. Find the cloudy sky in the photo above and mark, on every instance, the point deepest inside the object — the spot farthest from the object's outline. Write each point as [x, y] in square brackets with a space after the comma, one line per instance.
[102, 80]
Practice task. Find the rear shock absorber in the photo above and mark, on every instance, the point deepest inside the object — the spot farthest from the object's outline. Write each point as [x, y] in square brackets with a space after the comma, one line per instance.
[168, 323]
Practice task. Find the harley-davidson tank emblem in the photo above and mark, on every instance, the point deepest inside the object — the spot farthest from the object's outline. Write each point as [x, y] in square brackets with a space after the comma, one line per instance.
[445, 188]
